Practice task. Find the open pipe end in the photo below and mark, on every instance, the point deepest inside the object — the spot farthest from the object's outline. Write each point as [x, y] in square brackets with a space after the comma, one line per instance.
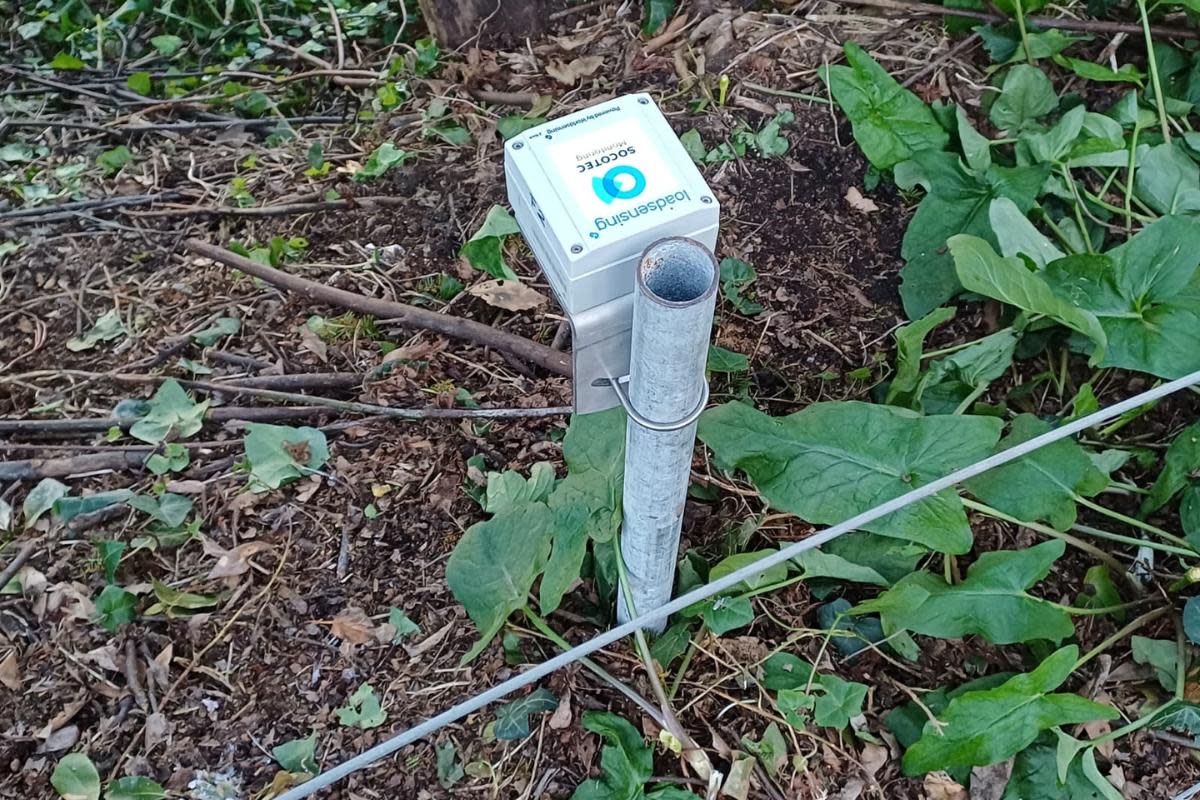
[678, 271]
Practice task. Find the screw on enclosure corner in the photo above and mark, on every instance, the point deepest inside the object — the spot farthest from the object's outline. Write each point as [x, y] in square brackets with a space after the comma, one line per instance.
[706, 199]
[518, 145]
[576, 248]
[644, 101]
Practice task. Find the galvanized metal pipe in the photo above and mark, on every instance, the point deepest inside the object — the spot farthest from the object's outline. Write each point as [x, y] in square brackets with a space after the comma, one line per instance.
[672, 322]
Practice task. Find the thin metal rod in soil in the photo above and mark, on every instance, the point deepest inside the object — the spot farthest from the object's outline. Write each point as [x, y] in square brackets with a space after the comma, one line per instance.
[784, 554]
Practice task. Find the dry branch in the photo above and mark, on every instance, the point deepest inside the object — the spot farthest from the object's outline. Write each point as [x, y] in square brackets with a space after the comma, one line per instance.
[912, 8]
[399, 313]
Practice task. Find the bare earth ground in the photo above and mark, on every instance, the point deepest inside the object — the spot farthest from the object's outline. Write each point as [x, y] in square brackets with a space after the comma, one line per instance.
[167, 697]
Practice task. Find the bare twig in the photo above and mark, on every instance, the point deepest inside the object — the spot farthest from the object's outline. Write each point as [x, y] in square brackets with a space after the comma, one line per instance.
[64, 210]
[18, 561]
[400, 313]
[37, 468]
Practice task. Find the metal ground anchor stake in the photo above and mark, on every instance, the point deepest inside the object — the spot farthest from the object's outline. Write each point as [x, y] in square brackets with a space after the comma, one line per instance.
[673, 305]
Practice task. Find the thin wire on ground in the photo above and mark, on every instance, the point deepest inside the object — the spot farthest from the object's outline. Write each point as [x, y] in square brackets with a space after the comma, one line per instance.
[650, 618]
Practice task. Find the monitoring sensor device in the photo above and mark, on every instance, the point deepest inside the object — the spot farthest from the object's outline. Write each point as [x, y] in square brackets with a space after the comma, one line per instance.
[590, 191]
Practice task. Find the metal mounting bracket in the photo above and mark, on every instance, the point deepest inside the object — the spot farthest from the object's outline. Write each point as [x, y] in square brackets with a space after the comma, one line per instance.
[618, 386]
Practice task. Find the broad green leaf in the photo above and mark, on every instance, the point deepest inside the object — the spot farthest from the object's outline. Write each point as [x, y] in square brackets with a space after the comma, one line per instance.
[485, 249]
[169, 509]
[510, 489]
[1184, 718]
[672, 644]
[626, 762]
[166, 44]
[1168, 180]
[112, 161]
[991, 602]
[955, 203]
[1161, 655]
[982, 270]
[986, 727]
[1035, 776]
[1189, 515]
[221, 327]
[736, 277]
[403, 626]
[494, 565]
[134, 787]
[279, 454]
[1004, 43]
[109, 552]
[1146, 295]
[383, 158]
[890, 558]
[1043, 484]
[725, 614]
[362, 710]
[769, 142]
[1191, 619]
[449, 769]
[910, 344]
[140, 82]
[694, 145]
[106, 328]
[976, 148]
[75, 778]
[1026, 95]
[67, 508]
[173, 458]
[1100, 591]
[1181, 460]
[298, 755]
[819, 564]
[1053, 145]
[41, 498]
[115, 607]
[952, 380]
[171, 415]
[796, 705]
[66, 62]
[833, 460]
[770, 575]
[840, 701]
[1091, 71]
[174, 602]
[657, 14]
[516, 124]
[771, 750]
[786, 671]
[512, 719]
[907, 721]
[726, 361]
[890, 123]
[1017, 236]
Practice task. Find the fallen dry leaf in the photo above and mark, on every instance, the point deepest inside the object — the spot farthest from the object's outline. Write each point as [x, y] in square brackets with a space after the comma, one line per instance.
[940, 786]
[873, 758]
[10, 672]
[313, 343]
[418, 351]
[859, 203]
[62, 739]
[989, 783]
[569, 74]
[232, 562]
[353, 626]
[429, 642]
[509, 295]
[561, 718]
[737, 783]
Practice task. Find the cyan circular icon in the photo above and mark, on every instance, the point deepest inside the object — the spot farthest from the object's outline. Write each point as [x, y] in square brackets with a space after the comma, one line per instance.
[619, 183]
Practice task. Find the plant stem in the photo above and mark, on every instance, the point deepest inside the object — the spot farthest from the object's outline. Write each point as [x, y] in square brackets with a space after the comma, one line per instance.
[1134, 522]
[1058, 233]
[1181, 651]
[1149, 616]
[1137, 724]
[1100, 533]
[1076, 611]
[544, 628]
[969, 399]
[1159, 100]
[1024, 35]
[687, 661]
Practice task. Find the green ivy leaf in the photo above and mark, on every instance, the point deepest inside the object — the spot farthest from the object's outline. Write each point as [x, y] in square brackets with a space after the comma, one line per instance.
[134, 787]
[112, 161]
[171, 415]
[108, 327]
[298, 755]
[166, 44]
[109, 552]
[41, 498]
[982, 270]
[512, 719]
[362, 710]
[1161, 655]
[221, 327]
[279, 454]
[67, 508]
[403, 626]
[803, 463]
[383, 158]
[449, 770]
[66, 62]
[839, 702]
[516, 124]
[75, 778]
[785, 671]
[626, 761]
[1042, 485]
[169, 509]
[986, 727]
[736, 277]
[725, 361]
[992, 602]
[1146, 294]
[173, 458]
[955, 202]
[115, 607]
[485, 249]
[140, 82]
[890, 123]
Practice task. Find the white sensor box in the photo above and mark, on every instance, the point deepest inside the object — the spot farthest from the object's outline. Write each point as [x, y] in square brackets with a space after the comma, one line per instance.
[590, 191]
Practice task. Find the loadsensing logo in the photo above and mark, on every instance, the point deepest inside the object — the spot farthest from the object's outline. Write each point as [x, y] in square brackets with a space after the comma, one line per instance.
[619, 183]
